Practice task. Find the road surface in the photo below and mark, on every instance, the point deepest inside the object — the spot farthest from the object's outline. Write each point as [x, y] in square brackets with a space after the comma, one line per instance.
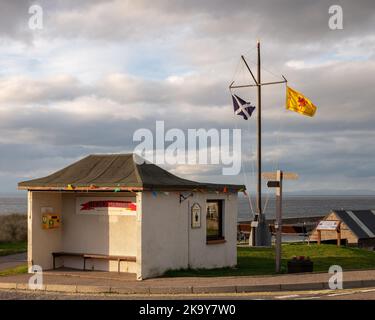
[12, 261]
[348, 294]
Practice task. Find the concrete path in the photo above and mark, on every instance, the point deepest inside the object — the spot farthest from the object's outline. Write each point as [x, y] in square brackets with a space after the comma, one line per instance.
[12, 261]
[123, 283]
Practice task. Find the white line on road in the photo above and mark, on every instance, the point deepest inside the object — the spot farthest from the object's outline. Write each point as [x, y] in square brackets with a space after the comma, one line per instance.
[368, 290]
[308, 298]
[339, 294]
[287, 297]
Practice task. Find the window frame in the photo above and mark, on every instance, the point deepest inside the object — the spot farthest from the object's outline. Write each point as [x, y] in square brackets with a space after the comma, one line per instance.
[220, 236]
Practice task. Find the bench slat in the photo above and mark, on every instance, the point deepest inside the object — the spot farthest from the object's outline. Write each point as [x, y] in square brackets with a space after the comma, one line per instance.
[105, 257]
[73, 254]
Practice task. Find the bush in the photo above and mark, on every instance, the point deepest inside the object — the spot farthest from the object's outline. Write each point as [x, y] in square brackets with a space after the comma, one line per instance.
[13, 227]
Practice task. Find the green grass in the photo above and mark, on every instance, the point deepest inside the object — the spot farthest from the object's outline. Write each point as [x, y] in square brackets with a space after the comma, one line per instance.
[7, 248]
[14, 271]
[260, 261]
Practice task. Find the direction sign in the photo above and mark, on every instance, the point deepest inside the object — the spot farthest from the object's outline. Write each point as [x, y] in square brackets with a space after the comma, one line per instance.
[286, 176]
[273, 184]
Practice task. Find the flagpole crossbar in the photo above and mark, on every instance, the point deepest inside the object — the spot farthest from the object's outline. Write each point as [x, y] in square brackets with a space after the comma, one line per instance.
[257, 84]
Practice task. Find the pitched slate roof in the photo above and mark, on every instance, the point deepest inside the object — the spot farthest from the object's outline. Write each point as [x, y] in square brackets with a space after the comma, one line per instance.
[360, 222]
[117, 171]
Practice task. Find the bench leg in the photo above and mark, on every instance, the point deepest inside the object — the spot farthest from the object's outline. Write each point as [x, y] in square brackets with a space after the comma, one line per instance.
[118, 265]
[54, 266]
[84, 264]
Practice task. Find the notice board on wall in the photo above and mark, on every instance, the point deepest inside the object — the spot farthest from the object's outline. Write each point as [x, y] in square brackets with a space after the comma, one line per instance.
[328, 225]
[112, 206]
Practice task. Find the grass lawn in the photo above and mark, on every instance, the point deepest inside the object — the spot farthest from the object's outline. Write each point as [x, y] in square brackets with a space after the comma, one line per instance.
[7, 248]
[13, 271]
[260, 261]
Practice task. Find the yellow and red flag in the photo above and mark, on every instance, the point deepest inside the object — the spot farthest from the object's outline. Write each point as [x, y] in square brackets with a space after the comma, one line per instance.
[297, 102]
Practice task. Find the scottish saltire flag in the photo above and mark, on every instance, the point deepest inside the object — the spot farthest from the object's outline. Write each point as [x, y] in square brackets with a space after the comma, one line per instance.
[241, 107]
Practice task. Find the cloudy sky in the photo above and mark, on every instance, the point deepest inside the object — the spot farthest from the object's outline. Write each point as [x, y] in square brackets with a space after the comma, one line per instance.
[99, 70]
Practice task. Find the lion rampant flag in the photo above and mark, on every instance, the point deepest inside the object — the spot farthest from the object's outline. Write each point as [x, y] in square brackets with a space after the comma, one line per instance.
[297, 102]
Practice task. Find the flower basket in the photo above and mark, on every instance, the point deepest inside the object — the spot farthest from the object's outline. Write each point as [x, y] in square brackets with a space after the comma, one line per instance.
[300, 264]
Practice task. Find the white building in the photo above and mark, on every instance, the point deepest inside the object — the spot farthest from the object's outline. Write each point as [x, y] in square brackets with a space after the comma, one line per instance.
[106, 212]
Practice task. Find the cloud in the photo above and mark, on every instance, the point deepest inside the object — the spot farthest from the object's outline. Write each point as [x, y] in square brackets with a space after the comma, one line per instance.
[21, 90]
[14, 19]
[99, 70]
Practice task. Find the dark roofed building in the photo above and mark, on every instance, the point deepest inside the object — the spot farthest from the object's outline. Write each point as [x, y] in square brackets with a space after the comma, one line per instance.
[357, 227]
[115, 212]
[117, 171]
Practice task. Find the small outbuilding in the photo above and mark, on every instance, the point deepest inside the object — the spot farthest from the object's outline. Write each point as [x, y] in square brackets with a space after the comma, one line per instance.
[354, 227]
[114, 212]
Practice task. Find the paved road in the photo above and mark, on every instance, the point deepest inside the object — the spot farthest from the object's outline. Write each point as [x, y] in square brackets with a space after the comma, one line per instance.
[349, 294]
[12, 261]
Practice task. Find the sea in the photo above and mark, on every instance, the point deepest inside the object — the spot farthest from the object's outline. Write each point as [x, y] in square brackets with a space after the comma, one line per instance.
[293, 206]
[13, 204]
[305, 206]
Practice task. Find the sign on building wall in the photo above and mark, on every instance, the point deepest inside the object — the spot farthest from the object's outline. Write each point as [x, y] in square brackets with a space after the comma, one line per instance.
[328, 225]
[50, 220]
[196, 215]
[106, 206]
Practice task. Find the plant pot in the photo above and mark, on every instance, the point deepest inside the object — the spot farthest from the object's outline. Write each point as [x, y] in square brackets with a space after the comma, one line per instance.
[300, 266]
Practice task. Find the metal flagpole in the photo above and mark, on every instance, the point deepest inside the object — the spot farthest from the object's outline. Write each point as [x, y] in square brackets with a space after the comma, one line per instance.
[260, 235]
[258, 239]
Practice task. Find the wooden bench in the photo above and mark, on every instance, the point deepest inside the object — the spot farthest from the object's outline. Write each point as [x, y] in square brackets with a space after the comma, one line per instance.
[86, 256]
[291, 229]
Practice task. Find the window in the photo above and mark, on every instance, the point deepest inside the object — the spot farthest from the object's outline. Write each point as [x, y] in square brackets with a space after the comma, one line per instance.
[214, 220]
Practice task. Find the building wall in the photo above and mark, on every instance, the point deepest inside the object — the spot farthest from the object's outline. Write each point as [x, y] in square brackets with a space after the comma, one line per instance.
[169, 242]
[41, 243]
[346, 233]
[203, 255]
[163, 234]
[160, 235]
[98, 234]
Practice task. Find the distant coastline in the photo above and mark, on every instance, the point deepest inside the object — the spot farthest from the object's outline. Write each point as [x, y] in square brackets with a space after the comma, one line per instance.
[295, 206]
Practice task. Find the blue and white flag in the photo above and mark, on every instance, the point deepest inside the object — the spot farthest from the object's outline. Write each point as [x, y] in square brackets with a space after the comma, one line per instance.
[241, 107]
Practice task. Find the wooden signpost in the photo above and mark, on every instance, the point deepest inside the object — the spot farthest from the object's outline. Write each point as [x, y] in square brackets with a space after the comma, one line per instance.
[276, 181]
